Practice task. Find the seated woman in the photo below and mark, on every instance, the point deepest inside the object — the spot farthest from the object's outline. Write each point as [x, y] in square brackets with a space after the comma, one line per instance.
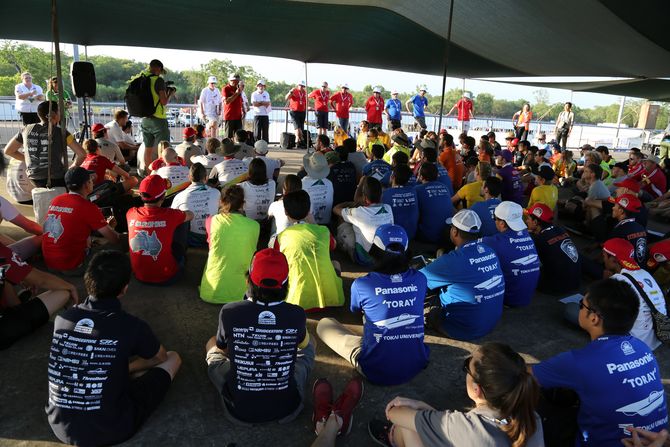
[259, 192]
[505, 396]
[313, 281]
[472, 192]
[232, 241]
[277, 211]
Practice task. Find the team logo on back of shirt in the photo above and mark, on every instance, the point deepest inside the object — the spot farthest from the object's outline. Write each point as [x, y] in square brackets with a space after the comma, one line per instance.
[526, 260]
[148, 244]
[644, 406]
[490, 283]
[84, 326]
[568, 247]
[627, 348]
[266, 317]
[53, 227]
[640, 248]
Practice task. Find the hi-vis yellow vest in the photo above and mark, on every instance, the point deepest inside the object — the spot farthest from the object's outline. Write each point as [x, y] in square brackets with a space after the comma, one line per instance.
[160, 108]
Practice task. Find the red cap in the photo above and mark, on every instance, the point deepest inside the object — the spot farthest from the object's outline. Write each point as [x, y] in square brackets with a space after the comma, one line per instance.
[269, 269]
[443, 131]
[623, 251]
[542, 212]
[97, 127]
[628, 202]
[515, 142]
[659, 253]
[189, 132]
[152, 187]
[629, 183]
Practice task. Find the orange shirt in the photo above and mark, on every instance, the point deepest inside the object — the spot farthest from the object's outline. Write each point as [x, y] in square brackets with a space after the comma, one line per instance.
[453, 163]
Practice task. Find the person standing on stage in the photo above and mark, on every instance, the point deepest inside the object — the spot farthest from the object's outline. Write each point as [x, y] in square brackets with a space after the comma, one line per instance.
[394, 111]
[210, 106]
[260, 99]
[420, 104]
[374, 107]
[341, 102]
[466, 112]
[321, 98]
[28, 97]
[564, 124]
[297, 98]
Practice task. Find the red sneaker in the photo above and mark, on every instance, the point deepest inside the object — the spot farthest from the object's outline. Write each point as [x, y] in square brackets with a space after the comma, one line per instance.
[322, 399]
[345, 404]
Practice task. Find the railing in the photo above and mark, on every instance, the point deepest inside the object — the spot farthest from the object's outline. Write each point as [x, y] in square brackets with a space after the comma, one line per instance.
[184, 115]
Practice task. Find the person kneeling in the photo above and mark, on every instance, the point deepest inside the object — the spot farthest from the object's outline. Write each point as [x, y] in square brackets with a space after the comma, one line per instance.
[93, 400]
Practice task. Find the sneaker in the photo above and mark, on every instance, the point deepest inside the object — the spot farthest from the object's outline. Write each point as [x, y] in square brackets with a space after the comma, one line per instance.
[345, 404]
[379, 432]
[322, 399]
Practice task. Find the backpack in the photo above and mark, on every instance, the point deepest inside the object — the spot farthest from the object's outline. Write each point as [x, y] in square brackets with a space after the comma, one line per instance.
[139, 100]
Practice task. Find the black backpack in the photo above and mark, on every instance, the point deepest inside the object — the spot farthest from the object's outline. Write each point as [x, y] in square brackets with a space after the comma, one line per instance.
[139, 100]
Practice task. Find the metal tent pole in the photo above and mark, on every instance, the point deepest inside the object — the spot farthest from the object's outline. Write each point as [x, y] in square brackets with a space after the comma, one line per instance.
[446, 62]
[618, 121]
[307, 134]
[59, 75]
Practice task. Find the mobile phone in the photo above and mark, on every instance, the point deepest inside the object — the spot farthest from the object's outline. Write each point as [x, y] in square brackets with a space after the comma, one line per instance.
[418, 262]
[107, 212]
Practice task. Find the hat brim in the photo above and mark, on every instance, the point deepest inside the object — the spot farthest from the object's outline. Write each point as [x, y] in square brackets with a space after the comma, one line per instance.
[516, 224]
[319, 173]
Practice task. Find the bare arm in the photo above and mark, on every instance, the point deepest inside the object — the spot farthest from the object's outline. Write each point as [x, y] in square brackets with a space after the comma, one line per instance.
[407, 103]
[120, 172]
[46, 281]
[109, 234]
[141, 364]
[28, 225]
[188, 216]
[79, 152]
[12, 150]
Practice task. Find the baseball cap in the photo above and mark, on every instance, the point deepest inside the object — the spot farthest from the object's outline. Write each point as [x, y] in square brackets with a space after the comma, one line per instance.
[324, 84]
[394, 92]
[515, 142]
[269, 269]
[157, 63]
[654, 159]
[391, 238]
[547, 173]
[261, 147]
[507, 155]
[376, 90]
[423, 88]
[542, 212]
[512, 214]
[302, 83]
[345, 85]
[97, 127]
[467, 95]
[466, 220]
[628, 202]
[76, 177]
[332, 157]
[628, 183]
[623, 251]
[211, 80]
[152, 187]
[261, 82]
[658, 253]
[233, 76]
[189, 132]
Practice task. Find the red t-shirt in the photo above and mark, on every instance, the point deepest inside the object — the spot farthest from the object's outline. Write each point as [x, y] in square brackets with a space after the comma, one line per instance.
[150, 234]
[374, 106]
[98, 163]
[658, 183]
[343, 102]
[636, 171]
[320, 100]
[297, 100]
[16, 269]
[68, 225]
[464, 107]
[232, 111]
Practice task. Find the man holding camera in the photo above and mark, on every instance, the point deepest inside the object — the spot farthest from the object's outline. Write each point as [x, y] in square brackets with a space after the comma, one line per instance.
[155, 128]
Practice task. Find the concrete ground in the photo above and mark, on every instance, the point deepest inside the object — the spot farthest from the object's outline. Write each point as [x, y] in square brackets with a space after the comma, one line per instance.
[191, 413]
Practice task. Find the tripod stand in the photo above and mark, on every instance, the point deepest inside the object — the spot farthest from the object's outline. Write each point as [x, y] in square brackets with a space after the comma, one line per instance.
[85, 130]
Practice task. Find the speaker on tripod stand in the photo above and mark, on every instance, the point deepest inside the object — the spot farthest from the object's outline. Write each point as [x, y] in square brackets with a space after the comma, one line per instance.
[82, 75]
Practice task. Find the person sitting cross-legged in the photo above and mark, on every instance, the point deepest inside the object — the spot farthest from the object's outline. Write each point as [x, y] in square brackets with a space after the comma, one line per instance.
[434, 204]
[377, 167]
[491, 190]
[114, 405]
[391, 300]
[403, 200]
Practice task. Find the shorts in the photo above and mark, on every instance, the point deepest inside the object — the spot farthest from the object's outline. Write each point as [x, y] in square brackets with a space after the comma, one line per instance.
[147, 392]
[377, 126]
[298, 119]
[322, 120]
[154, 130]
[394, 124]
[421, 121]
[464, 126]
[231, 126]
[212, 121]
[17, 322]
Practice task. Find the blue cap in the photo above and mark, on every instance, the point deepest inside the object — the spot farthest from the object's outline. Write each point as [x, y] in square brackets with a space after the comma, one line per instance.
[388, 235]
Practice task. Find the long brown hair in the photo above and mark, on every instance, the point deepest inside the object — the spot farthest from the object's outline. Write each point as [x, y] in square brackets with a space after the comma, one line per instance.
[509, 388]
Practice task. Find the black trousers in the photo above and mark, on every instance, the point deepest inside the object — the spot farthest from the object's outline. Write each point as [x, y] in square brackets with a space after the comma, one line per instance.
[562, 137]
[262, 128]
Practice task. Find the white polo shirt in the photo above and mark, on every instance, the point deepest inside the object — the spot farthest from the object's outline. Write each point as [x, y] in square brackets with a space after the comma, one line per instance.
[28, 105]
[210, 100]
[261, 97]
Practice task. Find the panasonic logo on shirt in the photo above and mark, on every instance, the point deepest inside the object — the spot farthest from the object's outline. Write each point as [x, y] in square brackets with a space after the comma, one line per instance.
[395, 290]
[621, 367]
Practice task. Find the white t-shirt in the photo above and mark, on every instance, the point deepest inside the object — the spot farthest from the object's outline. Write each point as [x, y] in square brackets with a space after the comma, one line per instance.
[201, 200]
[208, 160]
[366, 220]
[643, 328]
[110, 150]
[115, 132]
[228, 170]
[321, 197]
[7, 210]
[18, 185]
[187, 150]
[271, 165]
[277, 211]
[258, 198]
[176, 174]
[28, 105]
[264, 96]
[210, 100]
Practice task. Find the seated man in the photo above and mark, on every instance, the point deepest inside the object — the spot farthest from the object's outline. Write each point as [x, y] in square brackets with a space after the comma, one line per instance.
[361, 219]
[430, 156]
[313, 282]
[435, 205]
[200, 199]
[516, 253]
[544, 191]
[272, 165]
[244, 150]
[512, 188]
[157, 236]
[270, 387]
[469, 281]
[187, 148]
[615, 376]
[18, 319]
[624, 211]
[108, 149]
[117, 134]
[319, 188]
[343, 175]
[173, 171]
[485, 209]
[96, 402]
[391, 300]
[100, 164]
[211, 158]
[69, 222]
[658, 265]
[560, 266]
[377, 167]
[230, 170]
[403, 200]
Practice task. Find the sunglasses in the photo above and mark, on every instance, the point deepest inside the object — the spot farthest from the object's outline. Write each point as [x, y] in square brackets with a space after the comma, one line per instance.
[466, 366]
[584, 306]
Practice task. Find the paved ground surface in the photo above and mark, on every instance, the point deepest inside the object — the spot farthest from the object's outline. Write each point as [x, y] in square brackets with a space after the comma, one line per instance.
[191, 414]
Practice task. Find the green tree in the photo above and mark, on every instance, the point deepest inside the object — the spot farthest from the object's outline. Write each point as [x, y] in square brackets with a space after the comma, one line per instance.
[484, 104]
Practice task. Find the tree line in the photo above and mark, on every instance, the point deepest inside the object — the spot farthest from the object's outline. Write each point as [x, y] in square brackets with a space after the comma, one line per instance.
[113, 74]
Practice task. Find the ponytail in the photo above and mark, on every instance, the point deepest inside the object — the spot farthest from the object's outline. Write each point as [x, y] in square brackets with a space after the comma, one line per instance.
[509, 388]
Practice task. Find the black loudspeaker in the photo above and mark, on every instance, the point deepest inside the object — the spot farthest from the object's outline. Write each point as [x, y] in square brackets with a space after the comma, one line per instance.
[287, 140]
[83, 79]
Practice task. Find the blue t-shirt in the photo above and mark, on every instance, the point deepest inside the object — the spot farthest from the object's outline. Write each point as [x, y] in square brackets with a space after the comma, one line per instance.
[519, 262]
[443, 177]
[512, 188]
[419, 103]
[619, 384]
[405, 206]
[472, 287]
[434, 208]
[394, 107]
[485, 210]
[392, 351]
[380, 170]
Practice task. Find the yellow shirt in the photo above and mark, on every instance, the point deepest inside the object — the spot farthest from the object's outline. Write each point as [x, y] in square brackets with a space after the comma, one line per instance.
[547, 194]
[362, 140]
[385, 138]
[471, 193]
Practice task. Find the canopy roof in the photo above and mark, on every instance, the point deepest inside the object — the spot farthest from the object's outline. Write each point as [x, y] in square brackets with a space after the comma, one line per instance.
[616, 38]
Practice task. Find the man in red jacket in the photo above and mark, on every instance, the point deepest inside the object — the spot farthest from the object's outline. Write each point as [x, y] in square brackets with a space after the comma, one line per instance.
[374, 107]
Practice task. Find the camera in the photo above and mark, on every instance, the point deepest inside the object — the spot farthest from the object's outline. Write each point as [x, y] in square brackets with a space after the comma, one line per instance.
[170, 88]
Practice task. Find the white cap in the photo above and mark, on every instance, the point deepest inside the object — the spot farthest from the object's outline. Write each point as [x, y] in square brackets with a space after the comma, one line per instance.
[345, 85]
[261, 82]
[423, 88]
[376, 90]
[302, 83]
[466, 220]
[394, 92]
[467, 95]
[512, 214]
[233, 76]
[211, 80]
[261, 147]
